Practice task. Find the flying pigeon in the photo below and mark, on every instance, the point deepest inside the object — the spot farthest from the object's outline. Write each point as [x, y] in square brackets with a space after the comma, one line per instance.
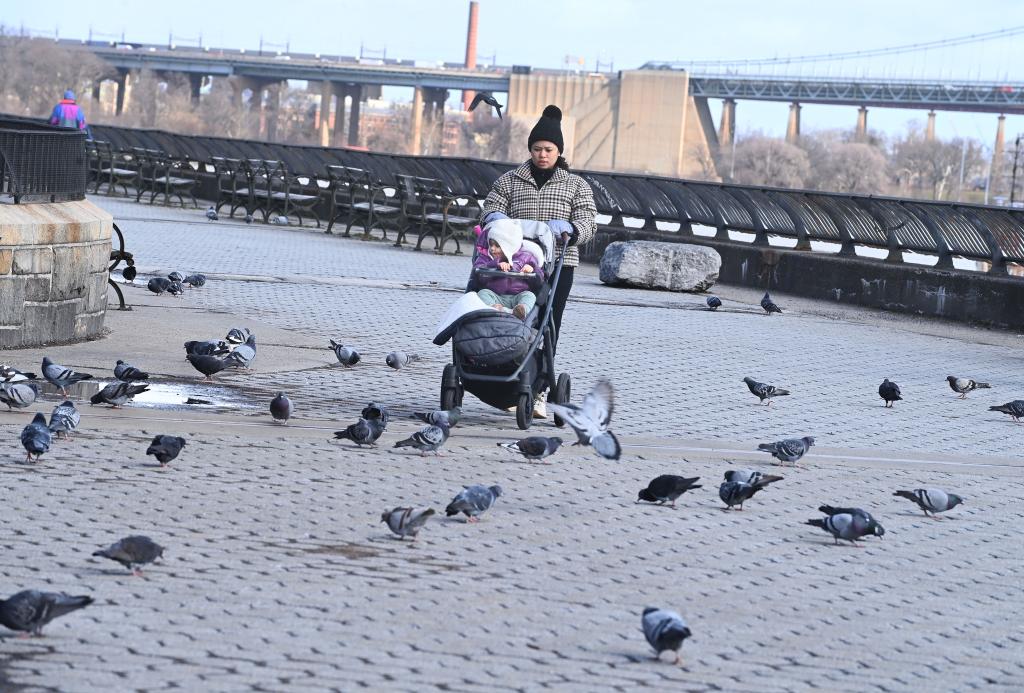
[30, 610]
[243, 354]
[931, 500]
[362, 432]
[176, 276]
[749, 476]
[36, 437]
[117, 392]
[61, 376]
[132, 552]
[207, 365]
[18, 395]
[129, 273]
[473, 501]
[889, 391]
[407, 522]
[667, 488]
[64, 419]
[347, 356]
[376, 411]
[196, 281]
[448, 417]
[211, 214]
[175, 289]
[534, 447]
[281, 407]
[399, 359]
[737, 492]
[769, 305]
[763, 391]
[10, 374]
[590, 421]
[128, 373]
[714, 302]
[1014, 408]
[847, 526]
[874, 528]
[158, 285]
[664, 630]
[427, 439]
[207, 348]
[238, 335]
[789, 450]
[488, 99]
[965, 385]
[165, 448]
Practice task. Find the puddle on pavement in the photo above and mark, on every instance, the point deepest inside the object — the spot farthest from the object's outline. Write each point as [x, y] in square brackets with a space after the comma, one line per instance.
[165, 395]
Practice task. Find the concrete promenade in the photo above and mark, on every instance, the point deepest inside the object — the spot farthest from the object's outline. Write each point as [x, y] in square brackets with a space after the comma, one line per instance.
[279, 575]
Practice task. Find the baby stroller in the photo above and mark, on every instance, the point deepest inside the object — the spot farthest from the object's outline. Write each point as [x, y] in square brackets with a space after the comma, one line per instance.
[501, 359]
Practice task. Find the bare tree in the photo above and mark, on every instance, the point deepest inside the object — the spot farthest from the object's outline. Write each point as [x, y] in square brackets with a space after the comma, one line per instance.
[763, 160]
[36, 72]
[934, 166]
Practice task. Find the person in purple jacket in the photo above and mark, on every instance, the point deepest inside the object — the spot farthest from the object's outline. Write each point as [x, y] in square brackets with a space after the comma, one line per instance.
[68, 114]
[505, 252]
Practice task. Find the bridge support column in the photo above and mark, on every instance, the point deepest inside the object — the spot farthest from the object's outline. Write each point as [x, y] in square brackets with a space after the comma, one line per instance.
[195, 83]
[929, 131]
[727, 124]
[121, 99]
[793, 126]
[995, 173]
[434, 112]
[861, 134]
[269, 113]
[356, 92]
[417, 121]
[323, 118]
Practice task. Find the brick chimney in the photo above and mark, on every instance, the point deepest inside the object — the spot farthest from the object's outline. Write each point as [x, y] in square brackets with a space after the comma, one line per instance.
[474, 16]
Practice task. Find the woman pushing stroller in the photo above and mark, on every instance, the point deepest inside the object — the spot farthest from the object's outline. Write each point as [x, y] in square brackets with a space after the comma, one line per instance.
[505, 252]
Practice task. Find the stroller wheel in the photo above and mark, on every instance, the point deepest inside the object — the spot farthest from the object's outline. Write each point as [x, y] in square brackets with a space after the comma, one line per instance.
[561, 395]
[524, 411]
[450, 395]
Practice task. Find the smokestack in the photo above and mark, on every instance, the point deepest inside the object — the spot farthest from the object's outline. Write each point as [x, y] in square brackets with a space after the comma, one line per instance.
[474, 17]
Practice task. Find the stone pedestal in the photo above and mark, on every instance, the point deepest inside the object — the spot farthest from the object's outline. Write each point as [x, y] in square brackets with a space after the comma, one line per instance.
[53, 272]
[654, 265]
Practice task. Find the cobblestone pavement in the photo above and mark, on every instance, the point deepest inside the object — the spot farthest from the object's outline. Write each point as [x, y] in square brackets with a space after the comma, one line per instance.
[279, 576]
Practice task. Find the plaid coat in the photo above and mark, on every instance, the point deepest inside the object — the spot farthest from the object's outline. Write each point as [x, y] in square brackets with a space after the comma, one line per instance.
[566, 196]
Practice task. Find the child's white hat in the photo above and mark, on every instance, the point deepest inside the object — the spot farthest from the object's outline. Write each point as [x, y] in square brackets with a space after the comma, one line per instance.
[507, 234]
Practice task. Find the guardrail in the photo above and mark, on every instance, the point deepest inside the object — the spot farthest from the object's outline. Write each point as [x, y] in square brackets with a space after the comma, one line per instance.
[944, 230]
[40, 162]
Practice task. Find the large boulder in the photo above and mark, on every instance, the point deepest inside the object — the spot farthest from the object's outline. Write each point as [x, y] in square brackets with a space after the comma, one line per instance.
[654, 265]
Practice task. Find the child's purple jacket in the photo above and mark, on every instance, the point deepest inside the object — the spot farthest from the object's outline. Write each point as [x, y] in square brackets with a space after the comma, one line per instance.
[506, 286]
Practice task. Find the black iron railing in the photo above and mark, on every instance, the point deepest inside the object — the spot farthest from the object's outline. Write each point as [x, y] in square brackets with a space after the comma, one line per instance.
[40, 162]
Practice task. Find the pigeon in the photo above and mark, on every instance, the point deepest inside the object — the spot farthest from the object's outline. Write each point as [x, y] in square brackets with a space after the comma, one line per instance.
[449, 417]
[165, 448]
[407, 522]
[207, 365]
[280, 220]
[129, 273]
[158, 285]
[61, 376]
[847, 526]
[117, 392]
[738, 492]
[874, 528]
[10, 374]
[347, 356]
[534, 447]
[30, 610]
[590, 421]
[238, 335]
[196, 281]
[175, 289]
[399, 359]
[64, 419]
[965, 385]
[362, 432]
[488, 99]
[427, 439]
[207, 348]
[36, 437]
[281, 407]
[376, 411]
[248, 218]
[211, 214]
[931, 500]
[473, 501]
[1014, 408]
[769, 305]
[667, 488]
[749, 476]
[763, 391]
[664, 630]
[889, 391]
[132, 552]
[128, 373]
[176, 276]
[714, 302]
[243, 354]
[788, 450]
[18, 395]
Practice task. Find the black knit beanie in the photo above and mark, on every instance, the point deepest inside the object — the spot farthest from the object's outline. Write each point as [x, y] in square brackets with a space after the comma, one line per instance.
[548, 128]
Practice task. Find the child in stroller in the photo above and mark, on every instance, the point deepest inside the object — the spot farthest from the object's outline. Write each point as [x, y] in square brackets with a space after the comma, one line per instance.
[505, 251]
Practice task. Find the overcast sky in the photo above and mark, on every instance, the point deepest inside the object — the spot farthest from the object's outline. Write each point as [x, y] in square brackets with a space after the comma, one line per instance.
[625, 33]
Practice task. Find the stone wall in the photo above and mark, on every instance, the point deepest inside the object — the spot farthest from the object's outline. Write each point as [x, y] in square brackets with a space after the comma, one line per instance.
[53, 272]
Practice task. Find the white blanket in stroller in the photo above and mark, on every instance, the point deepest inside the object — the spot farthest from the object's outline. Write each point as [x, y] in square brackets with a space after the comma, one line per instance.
[467, 304]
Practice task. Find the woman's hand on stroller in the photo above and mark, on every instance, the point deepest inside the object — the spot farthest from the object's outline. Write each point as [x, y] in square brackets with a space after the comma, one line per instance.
[493, 216]
[563, 228]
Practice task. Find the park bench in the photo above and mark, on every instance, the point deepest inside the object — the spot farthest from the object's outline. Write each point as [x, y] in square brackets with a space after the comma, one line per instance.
[159, 174]
[362, 200]
[113, 168]
[430, 206]
[232, 184]
[291, 194]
